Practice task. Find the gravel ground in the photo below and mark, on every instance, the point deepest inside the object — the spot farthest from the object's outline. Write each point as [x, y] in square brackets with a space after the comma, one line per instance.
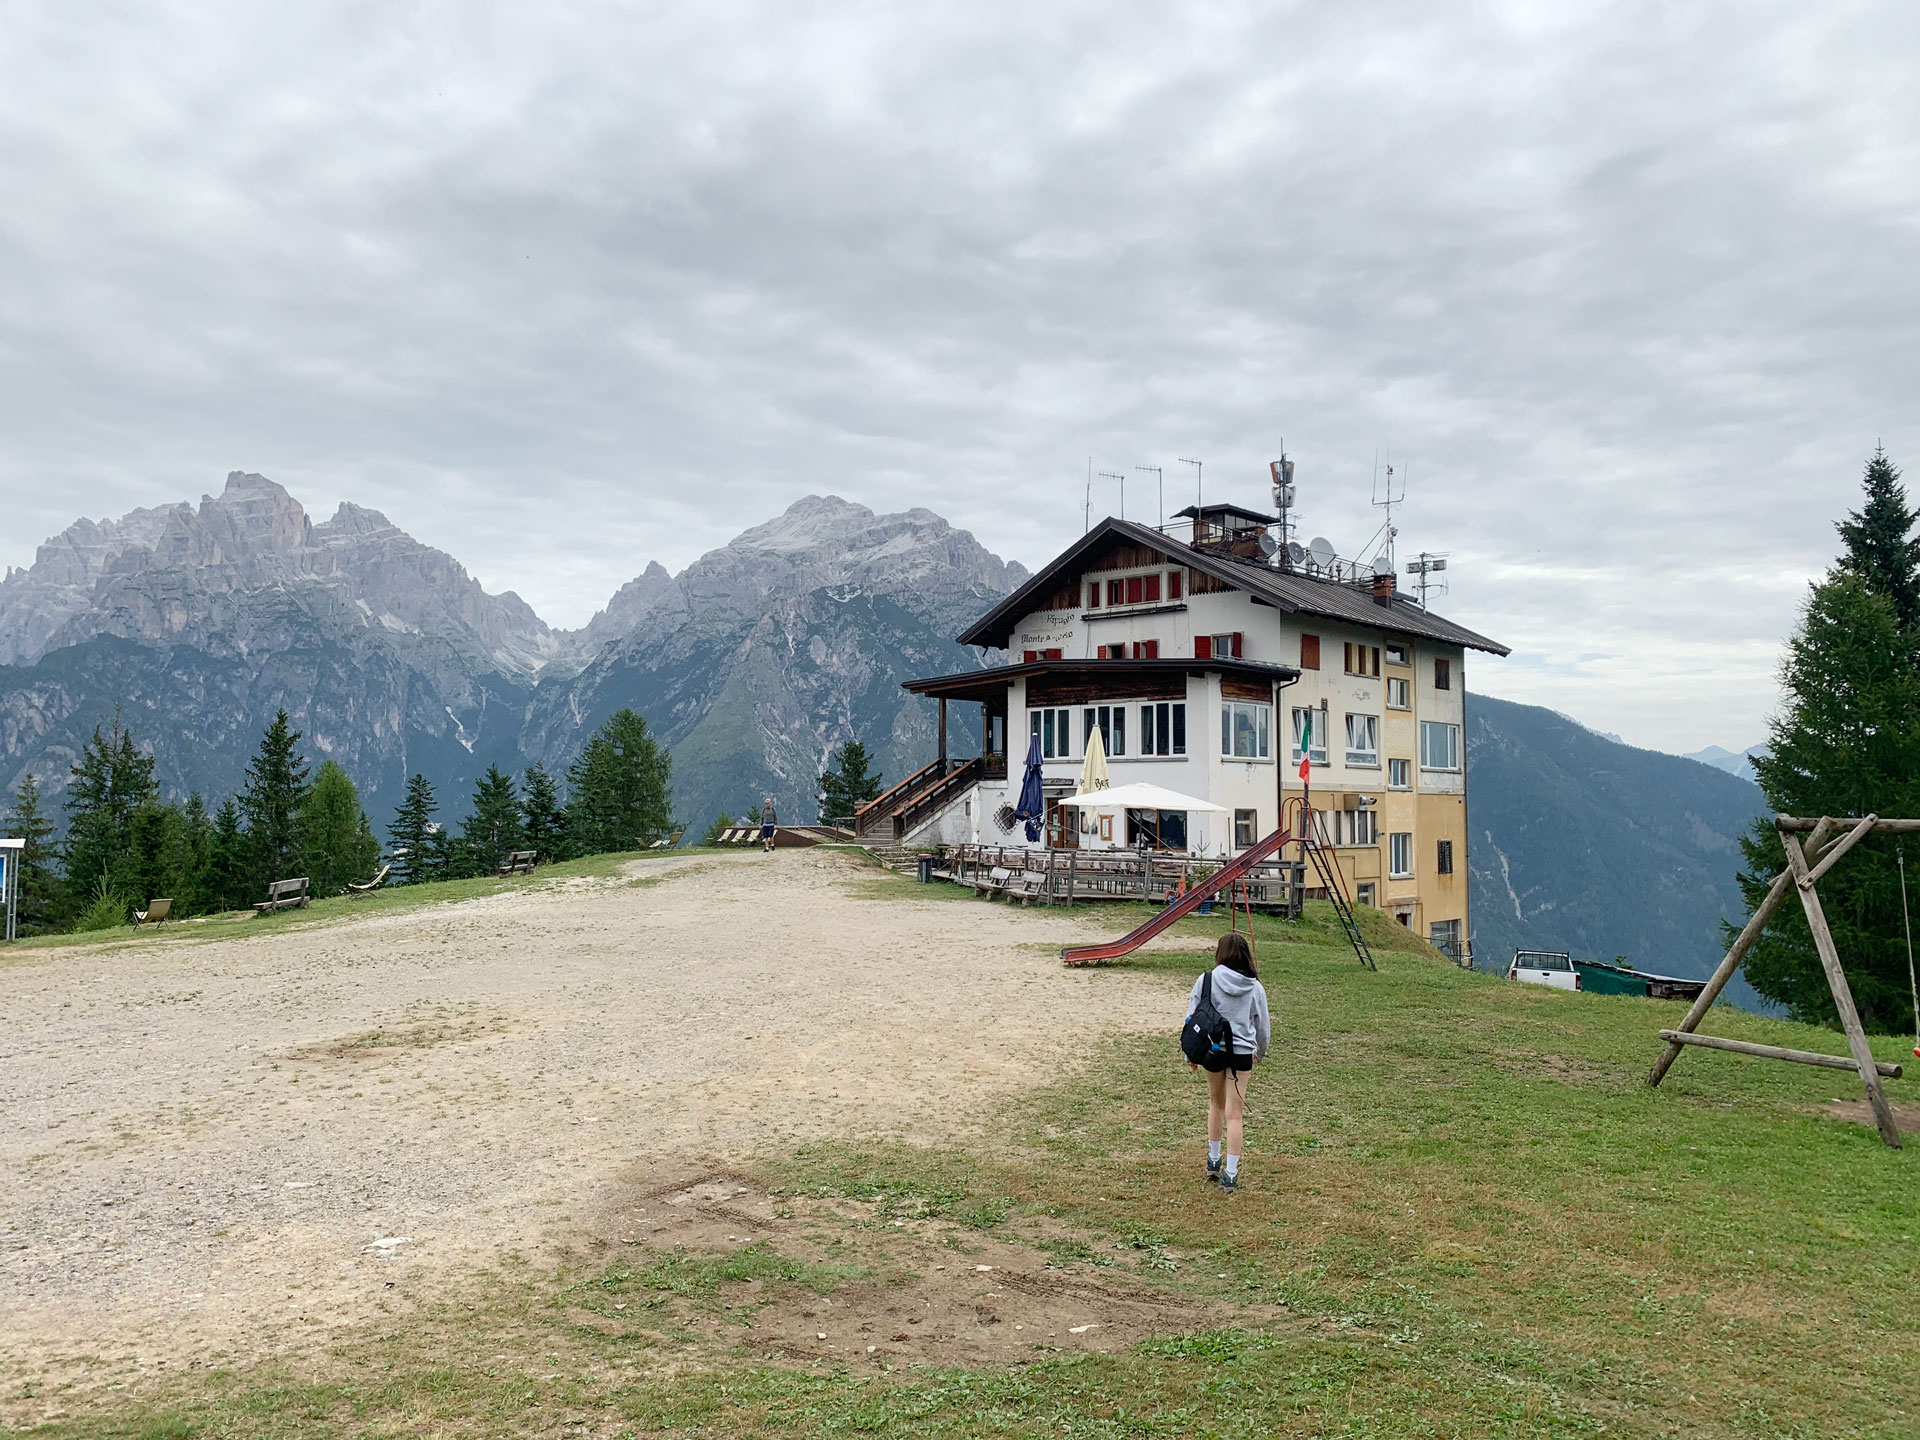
[223, 1150]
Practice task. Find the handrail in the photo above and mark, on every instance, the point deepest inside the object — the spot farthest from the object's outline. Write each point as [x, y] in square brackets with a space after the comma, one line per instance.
[878, 805]
[935, 795]
[1223, 877]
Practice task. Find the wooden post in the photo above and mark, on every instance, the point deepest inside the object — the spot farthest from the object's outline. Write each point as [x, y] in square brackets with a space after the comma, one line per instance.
[1842, 994]
[1778, 1052]
[943, 734]
[1737, 952]
[1073, 874]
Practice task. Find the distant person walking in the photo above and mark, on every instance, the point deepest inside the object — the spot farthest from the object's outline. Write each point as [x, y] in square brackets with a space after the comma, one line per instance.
[1234, 989]
[767, 823]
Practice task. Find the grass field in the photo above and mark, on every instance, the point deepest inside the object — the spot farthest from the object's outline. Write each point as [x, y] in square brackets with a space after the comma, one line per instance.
[1463, 1213]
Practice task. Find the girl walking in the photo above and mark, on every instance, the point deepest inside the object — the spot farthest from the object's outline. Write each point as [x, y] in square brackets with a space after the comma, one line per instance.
[1242, 1002]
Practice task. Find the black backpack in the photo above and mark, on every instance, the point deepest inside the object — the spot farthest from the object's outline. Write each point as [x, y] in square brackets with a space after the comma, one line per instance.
[1206, 1038]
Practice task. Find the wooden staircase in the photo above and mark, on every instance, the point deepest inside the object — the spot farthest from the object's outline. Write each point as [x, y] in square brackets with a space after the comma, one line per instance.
[923, 794]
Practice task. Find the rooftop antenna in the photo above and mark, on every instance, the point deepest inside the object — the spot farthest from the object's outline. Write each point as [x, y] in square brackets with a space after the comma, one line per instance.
[1086, 505]
[1424, 568]
[1385, 498]
[1281, 471]
[1112, 475]
[1160, 480]
[1196, 479]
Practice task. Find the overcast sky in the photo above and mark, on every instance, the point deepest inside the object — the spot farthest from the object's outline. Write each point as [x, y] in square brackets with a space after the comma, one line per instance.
[1628, 291]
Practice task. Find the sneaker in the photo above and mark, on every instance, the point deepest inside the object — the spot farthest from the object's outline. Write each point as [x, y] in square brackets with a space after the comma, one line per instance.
[1213, 1172]
[1229, 1183]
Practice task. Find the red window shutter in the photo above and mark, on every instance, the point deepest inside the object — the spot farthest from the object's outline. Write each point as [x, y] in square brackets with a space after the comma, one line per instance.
[1376, 662]
[1236, 644]
[1053, 654]
[1309, 652]
[1174, 578]
[1134, 589]
[1027, 657]
[1153, 650]
[1093, 595]
[1203, 647]
[1152, 588]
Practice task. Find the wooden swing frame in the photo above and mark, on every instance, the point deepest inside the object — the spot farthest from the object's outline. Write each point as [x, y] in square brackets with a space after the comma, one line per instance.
[1827, 839]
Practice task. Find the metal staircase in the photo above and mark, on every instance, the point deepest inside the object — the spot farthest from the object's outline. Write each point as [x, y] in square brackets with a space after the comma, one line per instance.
[1328, 869]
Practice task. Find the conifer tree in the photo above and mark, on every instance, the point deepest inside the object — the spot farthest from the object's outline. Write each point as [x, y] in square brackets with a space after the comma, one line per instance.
[155, 864]
[543, 822]
[1847, 742]
[42, 899]
[721, 824]
[848, 785]
[1882, 548]
[493, 827]
[230, 862]
[620, 786]
[412, 832]
[111, 780]
[334, 834]
[275, 789]
[196, 848]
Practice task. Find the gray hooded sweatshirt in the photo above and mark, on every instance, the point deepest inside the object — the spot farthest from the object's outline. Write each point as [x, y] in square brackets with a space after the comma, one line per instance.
[1242, 1003]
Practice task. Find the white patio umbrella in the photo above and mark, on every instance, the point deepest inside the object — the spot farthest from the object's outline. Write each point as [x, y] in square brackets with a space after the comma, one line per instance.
[1093, 769]
[1142, 796]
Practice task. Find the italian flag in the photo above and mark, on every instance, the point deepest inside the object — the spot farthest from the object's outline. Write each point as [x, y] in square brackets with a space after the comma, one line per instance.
[1306, 748]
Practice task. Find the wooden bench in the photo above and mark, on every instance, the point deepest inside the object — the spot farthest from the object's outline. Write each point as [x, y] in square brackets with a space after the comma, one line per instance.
[996, 883]
[1031, 886]
[284, 895]
[156, 911]
[518, 862]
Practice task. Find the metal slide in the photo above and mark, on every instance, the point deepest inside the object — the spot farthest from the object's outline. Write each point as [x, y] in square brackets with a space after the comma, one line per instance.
[1184, 906]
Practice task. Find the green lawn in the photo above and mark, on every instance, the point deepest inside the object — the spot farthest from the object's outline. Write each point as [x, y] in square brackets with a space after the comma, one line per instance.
[1464, 1213]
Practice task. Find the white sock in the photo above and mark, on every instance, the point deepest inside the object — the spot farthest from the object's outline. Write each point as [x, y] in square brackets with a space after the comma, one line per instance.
[1213, 1152]
[1233, 1167]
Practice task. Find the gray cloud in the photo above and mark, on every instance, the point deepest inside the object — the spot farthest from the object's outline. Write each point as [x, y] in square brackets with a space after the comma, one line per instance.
[564, 289]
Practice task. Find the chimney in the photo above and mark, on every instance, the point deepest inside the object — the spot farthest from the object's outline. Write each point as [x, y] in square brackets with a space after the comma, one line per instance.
[1383, 589]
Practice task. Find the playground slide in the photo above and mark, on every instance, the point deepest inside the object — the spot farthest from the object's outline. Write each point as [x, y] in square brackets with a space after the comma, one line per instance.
[1185, 905]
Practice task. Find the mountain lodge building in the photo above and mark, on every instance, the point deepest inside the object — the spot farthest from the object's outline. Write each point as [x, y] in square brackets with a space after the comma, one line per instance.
[1199, 662]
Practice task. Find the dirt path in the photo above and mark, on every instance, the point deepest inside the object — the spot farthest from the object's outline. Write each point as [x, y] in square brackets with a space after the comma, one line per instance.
[223, 1149]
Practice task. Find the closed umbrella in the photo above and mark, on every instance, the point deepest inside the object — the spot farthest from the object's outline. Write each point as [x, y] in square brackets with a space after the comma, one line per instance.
[1032, 807]
[1093, 769]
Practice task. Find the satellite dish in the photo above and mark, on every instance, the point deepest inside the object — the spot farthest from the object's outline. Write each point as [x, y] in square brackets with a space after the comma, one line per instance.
[1296, 552]
[1382, 565]
[1322, 551]
[1268, 545]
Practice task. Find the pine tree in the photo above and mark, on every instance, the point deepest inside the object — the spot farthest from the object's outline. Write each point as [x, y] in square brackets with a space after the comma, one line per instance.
[276, 788]
[493, 827]
[721, 824]
[621, 796]
[411, 835]
[196, 847]
[42, 899]
[847, 786]
[542, 820]
[230, 862]
[111, 781]
[1881, 546]
[1847, 742]
[155, 863]
[332, 825]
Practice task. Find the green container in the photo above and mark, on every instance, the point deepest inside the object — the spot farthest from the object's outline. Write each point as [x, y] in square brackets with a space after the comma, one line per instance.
[1599, 979]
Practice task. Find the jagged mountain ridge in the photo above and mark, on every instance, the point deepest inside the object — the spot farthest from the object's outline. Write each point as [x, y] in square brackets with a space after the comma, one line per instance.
[753, 663]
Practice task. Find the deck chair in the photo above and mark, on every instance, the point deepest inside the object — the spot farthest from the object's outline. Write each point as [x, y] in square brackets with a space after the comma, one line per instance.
[156, 911]
[370, 886]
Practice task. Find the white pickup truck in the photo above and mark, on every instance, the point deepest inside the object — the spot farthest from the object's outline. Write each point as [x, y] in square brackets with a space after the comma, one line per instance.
[1544, 967]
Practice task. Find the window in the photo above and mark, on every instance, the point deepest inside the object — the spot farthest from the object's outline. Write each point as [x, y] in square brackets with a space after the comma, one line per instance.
[1445, 937]
[1163, 729]
[1246, 829]
[1174, 578]
[1150, 586]
[1319, 733]
[1363, 659]
[1309, 652]
[1363, 740]
[1443, 862]
[1400, 855]
[1246, 730]
[1354, 827]
[1443, 674]
[1397, 693]
[1227, 646]
[1399, 774]
[1146, 649]
[1113, 652]
[1157, 829]
[1055, 729]
[1397, 655]
[1116, 592]
[1363, 892]
[1439, 746]
[1111, 722]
